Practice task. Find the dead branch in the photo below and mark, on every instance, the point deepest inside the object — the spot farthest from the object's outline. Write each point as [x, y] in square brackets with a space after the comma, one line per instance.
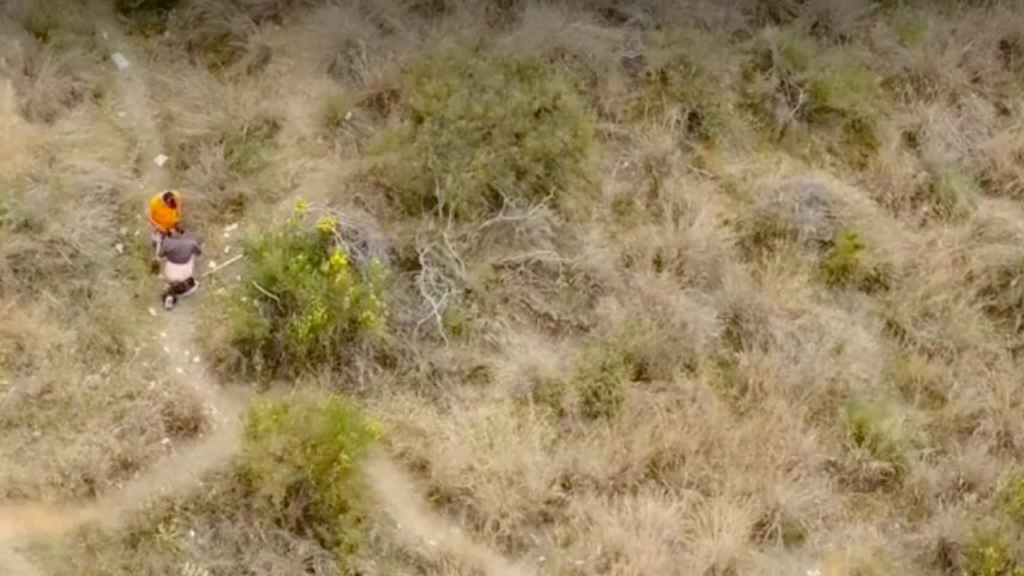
[223, 266]
[266, 292]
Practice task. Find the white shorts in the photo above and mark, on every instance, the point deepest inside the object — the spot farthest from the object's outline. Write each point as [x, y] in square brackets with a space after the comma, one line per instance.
[178, 272]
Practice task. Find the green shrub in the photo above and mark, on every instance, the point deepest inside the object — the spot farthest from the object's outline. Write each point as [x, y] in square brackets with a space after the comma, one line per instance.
[303, 302]
[1012, 499]
[988, 554]
[482, 130]
[828, 88]
[847, 265]
[679, 79]
[302, 457]
[844, 261]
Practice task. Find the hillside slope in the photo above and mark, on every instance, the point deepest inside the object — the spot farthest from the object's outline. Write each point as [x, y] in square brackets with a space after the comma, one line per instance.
[583, 287]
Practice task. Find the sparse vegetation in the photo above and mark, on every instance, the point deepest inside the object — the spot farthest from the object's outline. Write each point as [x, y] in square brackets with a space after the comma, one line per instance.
[632, 286]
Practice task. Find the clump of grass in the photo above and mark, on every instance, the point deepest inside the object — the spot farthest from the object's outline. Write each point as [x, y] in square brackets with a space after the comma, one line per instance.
[989, 554]
[303, 301]
[911, 28]
[679, 81]
[951, 194]
[482, 131]
[302, 456]
[1012, 499]
[147, 15]
[801, 211]
[846, 265]
[600, 382]
[871, 426]
[337, 110]
[791, 79]
[247, 150]
[844, 262]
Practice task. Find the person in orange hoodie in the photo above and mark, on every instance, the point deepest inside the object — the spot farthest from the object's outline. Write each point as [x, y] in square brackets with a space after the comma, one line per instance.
[164, 211]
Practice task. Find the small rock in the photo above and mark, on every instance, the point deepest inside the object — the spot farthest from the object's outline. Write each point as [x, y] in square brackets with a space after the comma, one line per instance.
[120, 61]
[227, 235]
[195, 360]
[227, 249]
[231, 228]
[212, 264]
[160, 160]
[179, 370]
[163, 334]
[152, 312]
[119, 248]
[167, 350]
[165, 441]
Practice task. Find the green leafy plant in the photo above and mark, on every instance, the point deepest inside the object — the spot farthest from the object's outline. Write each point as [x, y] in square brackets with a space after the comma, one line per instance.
[847, 264]
[480, 131]
[303, 301]
[302, 456]
[844, 262]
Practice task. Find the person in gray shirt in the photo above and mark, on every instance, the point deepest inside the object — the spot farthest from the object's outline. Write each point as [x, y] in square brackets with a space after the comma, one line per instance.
[178, 253]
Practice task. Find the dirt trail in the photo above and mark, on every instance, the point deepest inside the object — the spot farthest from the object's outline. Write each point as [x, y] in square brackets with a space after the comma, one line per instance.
[183, 469]
[417, 523]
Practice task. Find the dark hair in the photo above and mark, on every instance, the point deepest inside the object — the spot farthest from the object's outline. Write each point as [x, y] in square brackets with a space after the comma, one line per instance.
[170, 200]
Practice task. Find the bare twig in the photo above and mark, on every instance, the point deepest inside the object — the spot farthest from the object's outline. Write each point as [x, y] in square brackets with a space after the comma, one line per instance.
[223, 266]
[266, 292]
[435, 289]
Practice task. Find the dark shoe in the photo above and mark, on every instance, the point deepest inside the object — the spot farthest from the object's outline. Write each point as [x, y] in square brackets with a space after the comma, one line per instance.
[190, 287]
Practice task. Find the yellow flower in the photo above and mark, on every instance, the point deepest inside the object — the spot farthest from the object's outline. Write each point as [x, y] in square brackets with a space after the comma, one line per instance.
[327, 225]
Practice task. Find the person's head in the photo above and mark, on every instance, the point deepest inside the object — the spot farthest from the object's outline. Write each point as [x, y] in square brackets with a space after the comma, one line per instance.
[170, 199]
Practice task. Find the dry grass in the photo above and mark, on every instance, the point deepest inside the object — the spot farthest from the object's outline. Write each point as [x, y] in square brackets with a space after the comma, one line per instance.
[776, 330]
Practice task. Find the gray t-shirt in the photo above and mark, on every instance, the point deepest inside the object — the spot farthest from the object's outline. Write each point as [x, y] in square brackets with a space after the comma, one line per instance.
[179, 249]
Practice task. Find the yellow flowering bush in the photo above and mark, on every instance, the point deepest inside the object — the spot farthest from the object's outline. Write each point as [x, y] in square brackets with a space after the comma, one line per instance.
[304, 301]
[308, 449]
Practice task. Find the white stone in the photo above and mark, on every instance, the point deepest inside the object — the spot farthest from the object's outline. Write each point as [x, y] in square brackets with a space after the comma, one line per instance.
[120, 61]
